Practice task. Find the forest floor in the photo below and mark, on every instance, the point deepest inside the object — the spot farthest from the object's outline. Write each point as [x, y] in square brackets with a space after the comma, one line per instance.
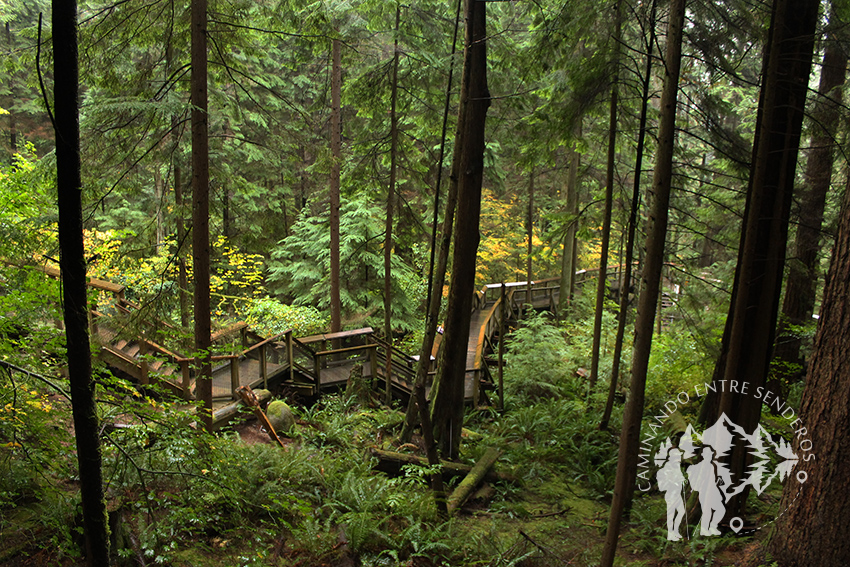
[550, 520]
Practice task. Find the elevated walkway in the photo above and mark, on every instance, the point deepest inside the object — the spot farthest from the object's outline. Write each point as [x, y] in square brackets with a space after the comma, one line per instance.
[130, 341]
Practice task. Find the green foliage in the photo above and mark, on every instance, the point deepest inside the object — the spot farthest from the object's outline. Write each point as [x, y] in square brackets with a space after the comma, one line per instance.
[299, 268]
[27, 212]
[537, 363]
[677, 363]
[269, 317]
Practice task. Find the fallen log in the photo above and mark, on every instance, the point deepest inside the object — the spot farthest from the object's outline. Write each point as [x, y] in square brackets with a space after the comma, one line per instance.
[391, 462]
[249, 398]
[473, 479]
[224, 414]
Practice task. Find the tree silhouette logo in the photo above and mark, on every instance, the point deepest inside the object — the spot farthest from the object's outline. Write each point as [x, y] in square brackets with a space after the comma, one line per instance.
[709, 477]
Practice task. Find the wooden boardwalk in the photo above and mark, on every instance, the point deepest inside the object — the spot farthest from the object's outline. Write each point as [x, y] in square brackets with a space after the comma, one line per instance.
[311, 364]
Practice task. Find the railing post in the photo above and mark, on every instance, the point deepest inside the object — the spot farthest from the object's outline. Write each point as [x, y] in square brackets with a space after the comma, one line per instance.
[234, 377]
[143, 363]
[317, 370]
[243, 332]
[93, 319]
[187, 379]
[289, 357]
[373, 364]
[264, 367]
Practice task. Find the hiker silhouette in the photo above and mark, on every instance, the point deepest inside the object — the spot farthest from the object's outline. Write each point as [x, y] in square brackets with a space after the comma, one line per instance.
[671, 482]
[711, 480]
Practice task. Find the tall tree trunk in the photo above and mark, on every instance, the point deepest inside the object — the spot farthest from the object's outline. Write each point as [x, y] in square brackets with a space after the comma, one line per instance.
[813, 530]
[568, 260]
[13, 126]
[225, 212]
[630, 240]
[336, 163]
[799, 303]
[179, 202]
[388, 237]
[761, 258]
[656, 234]
[159, 198]
[530, 231]
[437, 274]
[448, 391]
[73, 265]
[182, 272]
[602, 283]
[201, 210]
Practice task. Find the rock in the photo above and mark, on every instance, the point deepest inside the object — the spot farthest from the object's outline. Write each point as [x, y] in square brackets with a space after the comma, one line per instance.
[280, 416]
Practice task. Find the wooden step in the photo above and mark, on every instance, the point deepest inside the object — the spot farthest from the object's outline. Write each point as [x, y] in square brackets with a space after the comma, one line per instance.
[156, 365]
[120, 344]
[132, 349]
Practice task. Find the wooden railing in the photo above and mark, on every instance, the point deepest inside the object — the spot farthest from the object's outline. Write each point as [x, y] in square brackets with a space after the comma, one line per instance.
[403, 367]
[270, 350]
[182, 362]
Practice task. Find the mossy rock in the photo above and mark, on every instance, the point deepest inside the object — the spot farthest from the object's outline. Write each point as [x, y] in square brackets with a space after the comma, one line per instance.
[280, 416]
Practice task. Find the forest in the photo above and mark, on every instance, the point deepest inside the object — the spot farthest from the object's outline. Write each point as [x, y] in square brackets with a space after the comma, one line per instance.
[471, 282]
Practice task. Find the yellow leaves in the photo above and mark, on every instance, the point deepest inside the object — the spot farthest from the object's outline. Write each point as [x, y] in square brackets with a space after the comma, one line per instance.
[12, 445]
[503, 250]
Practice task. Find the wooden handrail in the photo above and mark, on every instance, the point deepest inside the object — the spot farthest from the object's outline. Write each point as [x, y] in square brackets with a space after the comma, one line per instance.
[339, 335]
[346, 349]
[162, 350]
[264, 342]
[238, 326]
[303, 346]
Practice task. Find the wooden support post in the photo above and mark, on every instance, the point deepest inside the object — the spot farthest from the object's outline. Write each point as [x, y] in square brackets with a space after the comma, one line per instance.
[187, 379]
[234, 377]
[317, 370]
[502, 316]
[263, 367]
[373, 363]
[243, 332]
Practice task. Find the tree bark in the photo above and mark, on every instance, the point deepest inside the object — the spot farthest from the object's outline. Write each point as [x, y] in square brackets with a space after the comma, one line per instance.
[437, 277]
[388, 236]
[179, 204]
[814, 531]
[630, 240]
[159, 198]
[201, 210]
[74, 292]
[448, 391]
[568, 260]
[650, 283]
[751, 321]
[336, 163]
[602, 282]
[530, 244]
[801, 285]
